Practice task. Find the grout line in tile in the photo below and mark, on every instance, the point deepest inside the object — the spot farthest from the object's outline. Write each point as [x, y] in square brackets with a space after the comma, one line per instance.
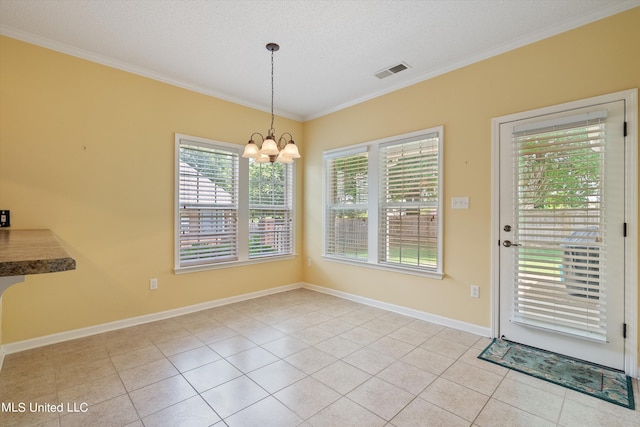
[295, 304]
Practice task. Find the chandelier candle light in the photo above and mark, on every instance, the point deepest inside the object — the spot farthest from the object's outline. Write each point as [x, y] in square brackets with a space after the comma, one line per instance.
[284, 150]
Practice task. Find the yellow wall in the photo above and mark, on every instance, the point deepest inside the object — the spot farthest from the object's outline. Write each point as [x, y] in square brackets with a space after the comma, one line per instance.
[596, 59]
[88, 152]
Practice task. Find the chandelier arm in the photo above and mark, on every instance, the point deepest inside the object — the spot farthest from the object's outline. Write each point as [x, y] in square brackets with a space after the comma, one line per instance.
[257, 133]
[282, 141]
[290, 136]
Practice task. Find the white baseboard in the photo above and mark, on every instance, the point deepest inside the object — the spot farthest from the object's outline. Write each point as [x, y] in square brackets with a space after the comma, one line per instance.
[125, 323]
[18, 346]
[417, 314]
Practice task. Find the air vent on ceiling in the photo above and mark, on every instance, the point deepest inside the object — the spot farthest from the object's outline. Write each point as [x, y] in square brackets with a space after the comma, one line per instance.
[391, 70]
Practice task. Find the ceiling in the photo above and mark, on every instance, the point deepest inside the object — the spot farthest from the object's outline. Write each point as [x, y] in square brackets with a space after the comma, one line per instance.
[330, 50]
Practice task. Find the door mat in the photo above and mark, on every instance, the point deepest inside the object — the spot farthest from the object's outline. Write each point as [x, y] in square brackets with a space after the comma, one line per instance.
[588, 378]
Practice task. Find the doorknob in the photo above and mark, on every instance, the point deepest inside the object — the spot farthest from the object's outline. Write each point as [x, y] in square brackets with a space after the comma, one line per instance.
[507, 244]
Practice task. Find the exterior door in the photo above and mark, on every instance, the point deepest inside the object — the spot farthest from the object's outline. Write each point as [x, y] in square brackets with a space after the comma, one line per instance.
[562, 227]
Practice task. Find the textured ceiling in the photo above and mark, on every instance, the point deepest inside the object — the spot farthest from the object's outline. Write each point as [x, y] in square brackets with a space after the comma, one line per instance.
[330, 50]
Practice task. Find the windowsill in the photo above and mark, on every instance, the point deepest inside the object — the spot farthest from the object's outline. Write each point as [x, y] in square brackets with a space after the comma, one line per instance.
[429, 274]
[231, 264]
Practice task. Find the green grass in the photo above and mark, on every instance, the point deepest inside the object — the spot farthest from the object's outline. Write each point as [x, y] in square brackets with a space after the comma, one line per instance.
[406, 256]
[540, 260]
[411, 256]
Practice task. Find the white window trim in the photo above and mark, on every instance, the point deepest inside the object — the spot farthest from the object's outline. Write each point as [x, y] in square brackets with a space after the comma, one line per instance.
[371, 147]
[243, 212]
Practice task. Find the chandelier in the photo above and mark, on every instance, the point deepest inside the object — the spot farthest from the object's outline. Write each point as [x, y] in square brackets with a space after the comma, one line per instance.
[282, 149]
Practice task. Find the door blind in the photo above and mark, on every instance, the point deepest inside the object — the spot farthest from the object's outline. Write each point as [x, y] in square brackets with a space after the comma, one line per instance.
[208, 205]
[560, 265]
[346, 228]
[409, 201]
[270, 209]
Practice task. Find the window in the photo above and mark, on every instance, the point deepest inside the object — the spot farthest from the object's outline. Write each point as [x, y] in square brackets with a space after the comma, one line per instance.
[270, 209]
[346, 224]
[229, 210]
[208, 204]
[409, 202]
[383, 203]
[561, 216]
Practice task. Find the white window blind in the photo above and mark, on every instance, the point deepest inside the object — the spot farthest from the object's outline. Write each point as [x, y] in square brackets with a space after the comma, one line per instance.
[409, 202]
[207, 204]
[346, 219]
[560, 265]
[383, 203]
[270, 209]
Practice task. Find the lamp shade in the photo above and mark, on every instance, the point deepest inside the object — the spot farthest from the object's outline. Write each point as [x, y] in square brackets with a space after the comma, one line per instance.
[291, 150]
[269, 147]
[283, 158]
[251, 150]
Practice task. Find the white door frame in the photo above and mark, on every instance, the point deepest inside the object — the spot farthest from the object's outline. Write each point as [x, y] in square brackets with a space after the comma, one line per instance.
[631, 214]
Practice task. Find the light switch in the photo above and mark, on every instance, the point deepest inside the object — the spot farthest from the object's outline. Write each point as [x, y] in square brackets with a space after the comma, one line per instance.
[460, 203]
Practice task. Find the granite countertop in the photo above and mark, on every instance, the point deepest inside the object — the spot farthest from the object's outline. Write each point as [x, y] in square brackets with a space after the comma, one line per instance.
[25, 252]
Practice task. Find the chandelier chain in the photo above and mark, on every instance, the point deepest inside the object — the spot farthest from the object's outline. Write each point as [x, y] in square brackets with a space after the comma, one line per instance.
[271, 93]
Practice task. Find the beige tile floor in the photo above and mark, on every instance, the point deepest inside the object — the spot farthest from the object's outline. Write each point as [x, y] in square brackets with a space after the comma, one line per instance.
[294, 358]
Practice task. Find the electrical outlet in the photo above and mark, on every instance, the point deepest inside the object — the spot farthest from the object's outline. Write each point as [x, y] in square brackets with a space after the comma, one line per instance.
[309, 262]
[5, 218]
[153, 284]
[475, 291]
